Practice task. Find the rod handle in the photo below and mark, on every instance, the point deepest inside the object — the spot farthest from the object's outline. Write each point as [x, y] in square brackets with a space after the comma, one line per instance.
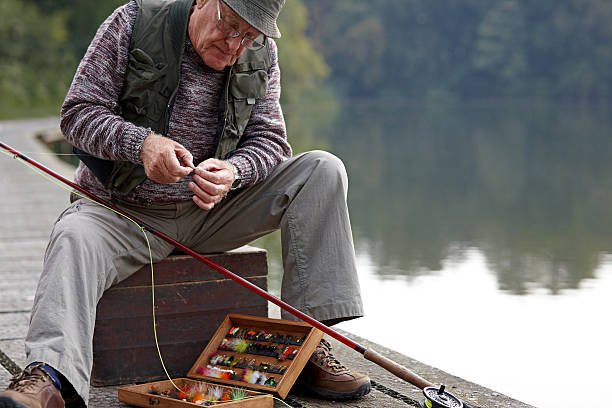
[397, 369]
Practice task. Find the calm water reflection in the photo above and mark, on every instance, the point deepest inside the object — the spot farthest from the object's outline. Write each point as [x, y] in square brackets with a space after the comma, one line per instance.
[529, 185]
[509, 202]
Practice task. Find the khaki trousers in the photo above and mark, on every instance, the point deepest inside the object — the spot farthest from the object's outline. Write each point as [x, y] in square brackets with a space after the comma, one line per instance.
[91, 248]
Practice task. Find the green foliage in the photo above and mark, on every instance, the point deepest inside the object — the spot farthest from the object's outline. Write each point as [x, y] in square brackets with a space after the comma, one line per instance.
[308, 104]
[43, 40]
[466, 48]
[302, 68]
[35, 61]
[432, 49]
[82, 18]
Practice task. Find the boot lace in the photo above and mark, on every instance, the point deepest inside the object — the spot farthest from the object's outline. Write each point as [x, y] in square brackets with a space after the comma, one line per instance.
[26, 381]
[323, 357]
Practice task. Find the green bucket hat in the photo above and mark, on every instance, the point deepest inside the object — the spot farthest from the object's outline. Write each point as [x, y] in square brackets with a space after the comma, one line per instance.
[261, 14]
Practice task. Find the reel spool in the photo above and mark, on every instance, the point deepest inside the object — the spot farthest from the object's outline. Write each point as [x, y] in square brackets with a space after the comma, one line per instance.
[438, 398]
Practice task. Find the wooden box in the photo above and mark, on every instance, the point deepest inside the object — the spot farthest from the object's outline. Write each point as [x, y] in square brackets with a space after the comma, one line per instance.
[271, 349]
[141, 396]
[191, 300]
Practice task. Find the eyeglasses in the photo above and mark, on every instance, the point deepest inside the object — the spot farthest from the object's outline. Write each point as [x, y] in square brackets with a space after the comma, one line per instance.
[230, 31]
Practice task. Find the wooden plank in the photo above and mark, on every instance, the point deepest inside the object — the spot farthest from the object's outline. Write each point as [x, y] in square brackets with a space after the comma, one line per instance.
[176, 328]
[141, 364]
[170, 298]
[183, 268]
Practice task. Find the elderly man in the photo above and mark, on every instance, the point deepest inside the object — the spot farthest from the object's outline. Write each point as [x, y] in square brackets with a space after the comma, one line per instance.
[174, 111]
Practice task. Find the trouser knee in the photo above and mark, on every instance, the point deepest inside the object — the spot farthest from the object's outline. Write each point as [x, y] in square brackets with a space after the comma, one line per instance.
[328, 168]
[72, 250]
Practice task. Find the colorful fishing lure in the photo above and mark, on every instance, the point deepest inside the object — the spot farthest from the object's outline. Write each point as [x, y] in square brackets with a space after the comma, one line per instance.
[203, 394]
[261, 335]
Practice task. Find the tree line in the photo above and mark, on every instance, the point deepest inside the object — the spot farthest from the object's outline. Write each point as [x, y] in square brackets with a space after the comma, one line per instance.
[466, 48]
[42, 42]
[427, 49]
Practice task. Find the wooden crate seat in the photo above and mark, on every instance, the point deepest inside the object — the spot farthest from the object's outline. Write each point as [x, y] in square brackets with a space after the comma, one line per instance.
[191, 300]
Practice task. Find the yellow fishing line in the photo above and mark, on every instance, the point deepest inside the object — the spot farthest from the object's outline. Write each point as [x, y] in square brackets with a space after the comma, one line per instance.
[63, 186]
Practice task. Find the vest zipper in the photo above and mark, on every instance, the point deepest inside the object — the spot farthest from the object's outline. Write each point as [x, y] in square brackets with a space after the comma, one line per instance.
[169, 112]
[225, 105]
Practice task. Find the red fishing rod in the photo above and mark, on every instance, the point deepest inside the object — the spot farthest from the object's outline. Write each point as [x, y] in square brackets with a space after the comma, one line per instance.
[432, 394]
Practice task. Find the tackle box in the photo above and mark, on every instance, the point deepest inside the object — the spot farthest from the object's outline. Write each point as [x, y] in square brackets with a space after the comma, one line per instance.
[248, 360]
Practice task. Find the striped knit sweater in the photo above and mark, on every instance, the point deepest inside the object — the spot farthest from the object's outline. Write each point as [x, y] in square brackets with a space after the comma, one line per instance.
[90, 116]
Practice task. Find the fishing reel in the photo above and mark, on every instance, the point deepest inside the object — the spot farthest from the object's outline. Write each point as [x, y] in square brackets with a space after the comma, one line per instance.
[438, 398]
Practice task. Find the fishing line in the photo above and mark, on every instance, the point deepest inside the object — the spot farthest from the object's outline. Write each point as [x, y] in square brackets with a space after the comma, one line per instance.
[144, 233]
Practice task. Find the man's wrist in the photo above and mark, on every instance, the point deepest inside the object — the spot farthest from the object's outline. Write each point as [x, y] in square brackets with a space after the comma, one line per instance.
[145, 145]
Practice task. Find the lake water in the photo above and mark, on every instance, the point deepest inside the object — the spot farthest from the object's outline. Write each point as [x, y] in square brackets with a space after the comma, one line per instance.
[483, 234]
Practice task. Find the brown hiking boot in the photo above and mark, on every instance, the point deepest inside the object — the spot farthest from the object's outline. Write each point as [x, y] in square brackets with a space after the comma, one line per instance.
[327, 378]
[31, 389]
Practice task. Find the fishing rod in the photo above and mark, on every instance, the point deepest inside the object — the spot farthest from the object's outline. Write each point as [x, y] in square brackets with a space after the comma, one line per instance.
[434, 397]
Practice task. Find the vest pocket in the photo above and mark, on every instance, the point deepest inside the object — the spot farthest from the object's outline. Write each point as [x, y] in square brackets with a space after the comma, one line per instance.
[249, 85]
[143, 90]
[245, 88]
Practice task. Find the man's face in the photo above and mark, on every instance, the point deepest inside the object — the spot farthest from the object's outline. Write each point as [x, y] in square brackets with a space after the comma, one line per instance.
[216, 50]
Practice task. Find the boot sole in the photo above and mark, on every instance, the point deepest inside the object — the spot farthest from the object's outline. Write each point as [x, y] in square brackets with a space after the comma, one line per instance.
[6, 402]
[338, 396]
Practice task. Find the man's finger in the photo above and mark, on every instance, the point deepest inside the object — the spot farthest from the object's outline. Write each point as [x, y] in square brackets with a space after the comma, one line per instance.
[212, 165]
[201, 194]
[184, 157]
[172, 167]
[210, 187]
[211, 176]
[163, 159]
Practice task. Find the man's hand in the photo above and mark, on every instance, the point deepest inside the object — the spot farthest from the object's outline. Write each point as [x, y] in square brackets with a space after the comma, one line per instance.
[165, 160]
[212, 180]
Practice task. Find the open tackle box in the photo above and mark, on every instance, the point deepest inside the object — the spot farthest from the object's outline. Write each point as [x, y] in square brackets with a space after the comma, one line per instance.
[248, 359]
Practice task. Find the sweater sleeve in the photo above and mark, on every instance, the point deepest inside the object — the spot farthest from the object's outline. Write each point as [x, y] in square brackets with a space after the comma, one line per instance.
[90, 116]
[264, 144]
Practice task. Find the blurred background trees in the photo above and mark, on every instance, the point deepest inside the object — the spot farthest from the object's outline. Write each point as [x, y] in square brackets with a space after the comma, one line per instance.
[466, 48]
[425, 49]
[35, 58]
[42, 42]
